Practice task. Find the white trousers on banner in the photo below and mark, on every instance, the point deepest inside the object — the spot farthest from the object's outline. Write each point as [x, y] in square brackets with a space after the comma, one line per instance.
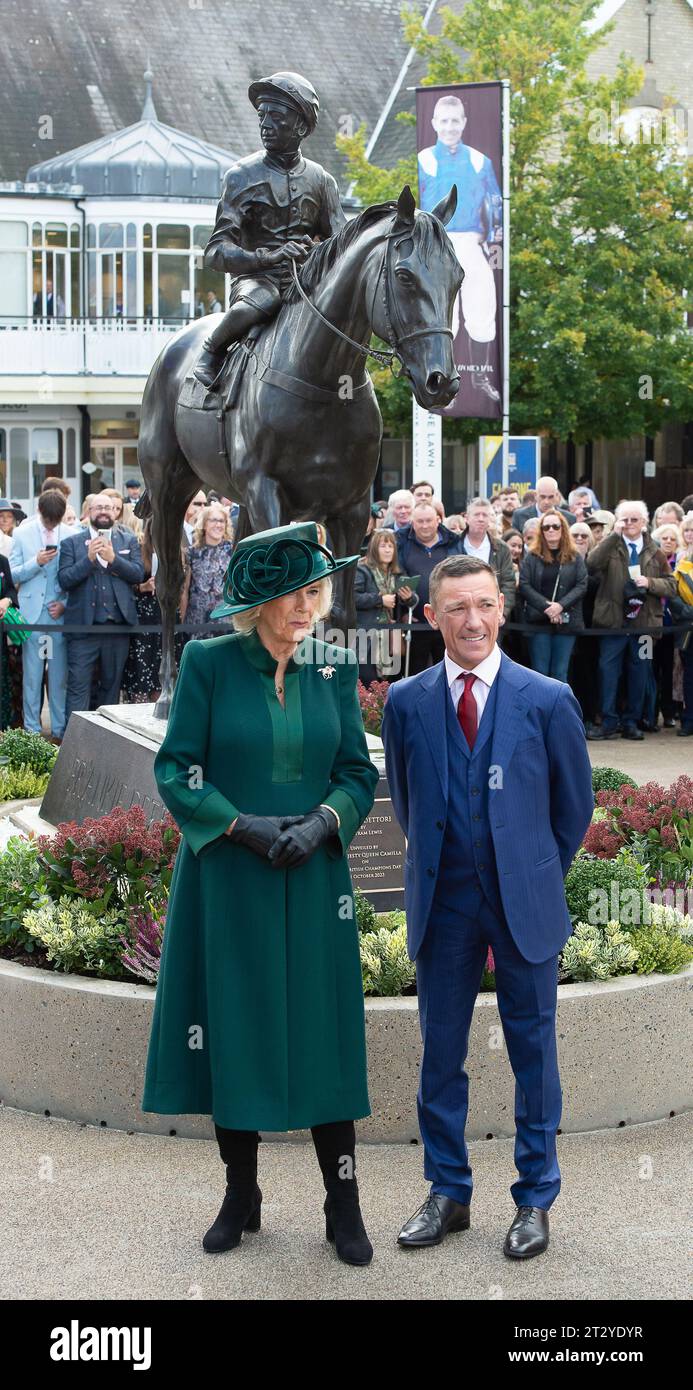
[478, 293]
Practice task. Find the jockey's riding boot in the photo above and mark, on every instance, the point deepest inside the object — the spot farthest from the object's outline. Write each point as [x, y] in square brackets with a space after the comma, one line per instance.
[235, 323]
[480, 369]
[209, 363]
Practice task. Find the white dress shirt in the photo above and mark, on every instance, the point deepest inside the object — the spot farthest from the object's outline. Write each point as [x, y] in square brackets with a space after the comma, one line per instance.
[483, 551]
[638, 543]
[486, 673]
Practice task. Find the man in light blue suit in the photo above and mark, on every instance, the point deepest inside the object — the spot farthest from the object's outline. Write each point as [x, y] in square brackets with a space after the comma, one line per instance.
[491, 783]
[34, 565]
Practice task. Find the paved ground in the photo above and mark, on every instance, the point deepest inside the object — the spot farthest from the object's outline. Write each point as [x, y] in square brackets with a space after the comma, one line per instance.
[122, 1217]
[104, 1214]
[660, 757]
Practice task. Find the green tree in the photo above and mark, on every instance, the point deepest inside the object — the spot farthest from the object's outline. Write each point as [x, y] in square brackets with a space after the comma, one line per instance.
[601, 234]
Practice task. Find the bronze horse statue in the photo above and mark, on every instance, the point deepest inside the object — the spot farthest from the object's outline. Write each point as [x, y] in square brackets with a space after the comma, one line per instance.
[303, 438]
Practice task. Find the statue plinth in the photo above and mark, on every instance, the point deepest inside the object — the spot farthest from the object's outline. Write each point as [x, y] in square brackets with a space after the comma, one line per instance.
[106, 760]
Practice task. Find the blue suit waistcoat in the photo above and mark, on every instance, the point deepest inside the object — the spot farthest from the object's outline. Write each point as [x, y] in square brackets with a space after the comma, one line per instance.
[540, 798]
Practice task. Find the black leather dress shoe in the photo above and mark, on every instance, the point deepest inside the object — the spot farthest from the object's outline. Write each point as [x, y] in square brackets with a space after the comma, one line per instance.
[528, 1234]
[433, 1221]
[633, 732]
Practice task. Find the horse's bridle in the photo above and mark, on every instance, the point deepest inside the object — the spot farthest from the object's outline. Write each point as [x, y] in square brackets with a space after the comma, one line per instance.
[386, 358]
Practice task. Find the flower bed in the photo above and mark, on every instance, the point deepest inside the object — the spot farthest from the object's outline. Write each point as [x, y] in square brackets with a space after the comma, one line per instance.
[92, 899]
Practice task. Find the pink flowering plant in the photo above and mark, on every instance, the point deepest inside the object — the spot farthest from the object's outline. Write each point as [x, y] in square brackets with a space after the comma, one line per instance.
[372, 701]
[115, 861]
[142, 948]
[653, 823]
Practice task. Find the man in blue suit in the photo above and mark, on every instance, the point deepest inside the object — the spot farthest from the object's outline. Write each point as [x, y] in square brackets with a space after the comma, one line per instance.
[98, 567]
[491, 783]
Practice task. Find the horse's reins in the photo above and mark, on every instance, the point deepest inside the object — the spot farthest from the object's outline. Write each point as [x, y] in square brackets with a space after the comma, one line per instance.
[386, 358]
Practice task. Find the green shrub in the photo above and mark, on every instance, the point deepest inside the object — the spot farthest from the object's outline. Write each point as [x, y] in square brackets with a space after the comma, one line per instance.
[21, 749]
[22, 886]
[78, 938]
[365, 912]
[596, 953]
[588, 876]
[610, 779]
[20, 783]
[669, 917]
[390, 921]
[660, 948]
[386, 967]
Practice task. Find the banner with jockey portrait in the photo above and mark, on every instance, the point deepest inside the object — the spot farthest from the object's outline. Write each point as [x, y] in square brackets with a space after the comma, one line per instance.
[459, 138]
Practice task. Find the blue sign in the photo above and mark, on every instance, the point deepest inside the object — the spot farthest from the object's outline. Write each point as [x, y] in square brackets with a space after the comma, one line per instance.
[524, 461]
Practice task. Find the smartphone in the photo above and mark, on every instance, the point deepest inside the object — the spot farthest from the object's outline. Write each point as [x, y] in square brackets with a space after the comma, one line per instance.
[51, 547]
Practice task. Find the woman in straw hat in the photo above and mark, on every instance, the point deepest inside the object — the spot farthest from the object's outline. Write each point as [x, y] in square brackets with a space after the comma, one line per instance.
[259, 1016]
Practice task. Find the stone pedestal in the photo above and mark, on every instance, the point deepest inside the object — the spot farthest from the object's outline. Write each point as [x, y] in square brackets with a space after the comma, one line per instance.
[106, 760]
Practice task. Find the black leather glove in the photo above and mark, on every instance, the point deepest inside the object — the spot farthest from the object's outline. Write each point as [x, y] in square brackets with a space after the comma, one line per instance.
[296, 844]
[260, 832]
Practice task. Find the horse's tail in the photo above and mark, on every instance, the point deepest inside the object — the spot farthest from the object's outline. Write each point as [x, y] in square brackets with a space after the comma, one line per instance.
[143, 506]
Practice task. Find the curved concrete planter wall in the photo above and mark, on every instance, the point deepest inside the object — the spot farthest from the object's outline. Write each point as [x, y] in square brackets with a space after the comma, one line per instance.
[76, 1048]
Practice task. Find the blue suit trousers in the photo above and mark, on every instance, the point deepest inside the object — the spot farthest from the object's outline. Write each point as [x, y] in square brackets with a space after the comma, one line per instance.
[449, 968]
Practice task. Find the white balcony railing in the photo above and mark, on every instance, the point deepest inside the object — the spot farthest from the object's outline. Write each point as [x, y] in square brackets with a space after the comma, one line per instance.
[76, 347]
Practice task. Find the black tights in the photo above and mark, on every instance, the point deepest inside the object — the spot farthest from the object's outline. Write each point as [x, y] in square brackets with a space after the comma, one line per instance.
[334, 1143]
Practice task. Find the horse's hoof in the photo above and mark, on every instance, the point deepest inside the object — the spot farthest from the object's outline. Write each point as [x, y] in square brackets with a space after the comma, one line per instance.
[162, 708]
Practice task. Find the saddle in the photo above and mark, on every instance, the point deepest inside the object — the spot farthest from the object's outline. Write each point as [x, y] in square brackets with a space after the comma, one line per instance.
[223, 394]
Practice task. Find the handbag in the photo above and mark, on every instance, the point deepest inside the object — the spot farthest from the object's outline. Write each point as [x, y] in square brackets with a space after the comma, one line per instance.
[15, 635]
[565, 617]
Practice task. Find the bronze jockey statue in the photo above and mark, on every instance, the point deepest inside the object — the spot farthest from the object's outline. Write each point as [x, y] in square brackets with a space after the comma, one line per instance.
[274, 205]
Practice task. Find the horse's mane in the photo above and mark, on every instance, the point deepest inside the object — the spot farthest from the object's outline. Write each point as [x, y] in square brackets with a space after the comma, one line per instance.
[427, 232]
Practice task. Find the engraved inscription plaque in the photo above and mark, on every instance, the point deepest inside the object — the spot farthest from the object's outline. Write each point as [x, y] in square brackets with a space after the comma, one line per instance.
[99, 767]
[376, 854]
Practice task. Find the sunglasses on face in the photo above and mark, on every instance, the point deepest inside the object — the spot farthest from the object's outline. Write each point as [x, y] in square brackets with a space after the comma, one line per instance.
[552, 526]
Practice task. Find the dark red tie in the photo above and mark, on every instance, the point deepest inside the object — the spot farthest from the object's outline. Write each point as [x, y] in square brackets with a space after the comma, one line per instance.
[467, 712]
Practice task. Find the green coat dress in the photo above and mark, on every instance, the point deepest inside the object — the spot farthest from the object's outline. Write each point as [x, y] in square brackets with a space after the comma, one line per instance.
[259, 1015]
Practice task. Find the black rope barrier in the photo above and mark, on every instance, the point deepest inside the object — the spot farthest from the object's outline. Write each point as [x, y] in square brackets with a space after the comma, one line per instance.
[142, 629]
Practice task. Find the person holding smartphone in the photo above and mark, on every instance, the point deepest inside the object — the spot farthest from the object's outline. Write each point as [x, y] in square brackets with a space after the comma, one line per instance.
[34, 566]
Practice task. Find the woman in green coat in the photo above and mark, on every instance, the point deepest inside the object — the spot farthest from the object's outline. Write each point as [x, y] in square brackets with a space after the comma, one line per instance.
[259, 1014]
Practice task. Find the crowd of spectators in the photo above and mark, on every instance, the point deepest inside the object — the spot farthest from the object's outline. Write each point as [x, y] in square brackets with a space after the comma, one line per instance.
[564, 567]
[73, 578]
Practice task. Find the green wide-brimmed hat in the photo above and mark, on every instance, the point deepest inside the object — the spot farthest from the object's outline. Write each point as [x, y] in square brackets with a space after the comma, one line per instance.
[276, 562]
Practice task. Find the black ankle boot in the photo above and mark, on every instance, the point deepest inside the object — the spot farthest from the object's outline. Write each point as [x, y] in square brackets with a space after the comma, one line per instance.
[240, 1211]
[335, 1145]
[344, 1223]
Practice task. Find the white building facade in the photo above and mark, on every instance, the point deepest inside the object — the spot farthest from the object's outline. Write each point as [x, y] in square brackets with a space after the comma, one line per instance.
[101, 260]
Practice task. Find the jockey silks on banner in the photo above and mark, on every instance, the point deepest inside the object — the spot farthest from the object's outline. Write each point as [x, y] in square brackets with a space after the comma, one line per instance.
[459, 133]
